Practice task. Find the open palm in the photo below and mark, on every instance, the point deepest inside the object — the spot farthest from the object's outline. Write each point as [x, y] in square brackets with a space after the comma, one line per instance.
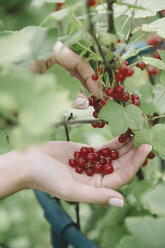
[55, 176]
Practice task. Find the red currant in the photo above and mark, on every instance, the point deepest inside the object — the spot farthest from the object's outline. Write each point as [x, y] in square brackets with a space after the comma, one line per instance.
[109, 92]
[84, 151]
[157, 55]
[141, 65]
[81, 161]
[153, 41]
[95, 114]
[102, 160]
[90, 157]
[119, 90]
[151, 155]
[145, 162]
[120, 77]
[95, 125]
[153, 71]
[92, 100]
[126, 63]
[114, 155]
[90, 150]
[108, 169]
[124, 97]
[95, 77]
[79, 170]
[72, 162]
[98, 167]
[118, 41]
[105, 152]
[134, 96]
[77, 154]
[101, 125]
[136, 102]
[90, 171]
[123, 138]
[130, 71]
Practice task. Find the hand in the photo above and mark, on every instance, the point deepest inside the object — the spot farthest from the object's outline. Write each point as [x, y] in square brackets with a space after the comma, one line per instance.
[77, 67]
[46, 169]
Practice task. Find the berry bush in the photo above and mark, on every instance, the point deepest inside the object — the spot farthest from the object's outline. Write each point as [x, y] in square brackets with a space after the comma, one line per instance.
[124, 42]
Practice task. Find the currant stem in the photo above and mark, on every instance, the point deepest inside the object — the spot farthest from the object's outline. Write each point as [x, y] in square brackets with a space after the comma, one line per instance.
[77, 122]
[129, 35]
[157, 117]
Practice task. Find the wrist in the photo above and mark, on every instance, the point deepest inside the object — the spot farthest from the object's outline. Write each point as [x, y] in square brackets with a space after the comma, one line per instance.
[13, 173]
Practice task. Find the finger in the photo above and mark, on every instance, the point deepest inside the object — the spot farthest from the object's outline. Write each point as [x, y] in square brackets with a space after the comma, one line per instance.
[74, 73]
[112, 144]
[117, 164]
[95, 195]
[86, 71]
[126, 148]
[81, 101]
[38, 66]
[127, 172]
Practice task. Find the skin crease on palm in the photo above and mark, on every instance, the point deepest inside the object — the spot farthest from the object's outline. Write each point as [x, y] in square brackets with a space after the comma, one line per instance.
[46, 167]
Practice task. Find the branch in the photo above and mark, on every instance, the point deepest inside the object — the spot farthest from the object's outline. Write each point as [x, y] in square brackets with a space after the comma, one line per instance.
[157, 117]
[92, 33]
[111, 26]
[129, 35]
[76, 122]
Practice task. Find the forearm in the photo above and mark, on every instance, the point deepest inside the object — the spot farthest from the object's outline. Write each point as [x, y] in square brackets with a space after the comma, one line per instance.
[11, 174]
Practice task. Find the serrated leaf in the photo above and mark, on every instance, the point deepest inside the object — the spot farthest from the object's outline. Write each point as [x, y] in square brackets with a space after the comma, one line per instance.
[159, 145]
[144, 136]
[120, 118]
[157, 26]
[146, 99]
[107, 39]
[150, 8]
[154, 62]
[154, 199]
[154, 136]
[132, 83]
[159, 100]
[148, 229]
[162, 54]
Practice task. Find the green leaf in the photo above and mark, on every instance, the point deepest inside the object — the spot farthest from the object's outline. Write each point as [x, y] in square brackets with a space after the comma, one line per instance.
[142, 228]
[159, 100]
[154, 199]
[130, 242]
[146, 99]
[150, 8]
[162, 54]
[159, 145]
[154, 136]
[42, 42]
[120, 118]
[107, 39]
[157, 26]
[162, 77]
[132, 83]
[154, 62]
[66, 81]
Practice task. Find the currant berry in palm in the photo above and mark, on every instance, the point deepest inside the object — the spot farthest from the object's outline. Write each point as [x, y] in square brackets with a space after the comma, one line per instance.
[108, 168]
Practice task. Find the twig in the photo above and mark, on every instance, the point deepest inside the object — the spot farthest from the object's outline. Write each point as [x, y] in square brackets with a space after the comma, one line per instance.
[77, 209]
[111, 26]
[92, 33]
[129, 35]
[157, 117]
[77, 122]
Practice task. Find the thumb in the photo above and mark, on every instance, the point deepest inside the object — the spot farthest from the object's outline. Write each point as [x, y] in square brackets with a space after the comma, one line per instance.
[81, 101]
[95, 195]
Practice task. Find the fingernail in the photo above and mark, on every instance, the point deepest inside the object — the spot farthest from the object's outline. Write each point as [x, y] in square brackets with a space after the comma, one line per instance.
[116, 202]
[81, 103]
[149, 148]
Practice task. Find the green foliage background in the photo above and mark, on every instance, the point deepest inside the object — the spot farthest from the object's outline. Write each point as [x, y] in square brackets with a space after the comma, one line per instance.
[141, 222]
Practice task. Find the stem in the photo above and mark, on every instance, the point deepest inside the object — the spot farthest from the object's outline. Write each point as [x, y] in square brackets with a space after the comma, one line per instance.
[111, 26]
[77, 122]
[129, 35]
[92, 33]
[157, 117]
[77, 209]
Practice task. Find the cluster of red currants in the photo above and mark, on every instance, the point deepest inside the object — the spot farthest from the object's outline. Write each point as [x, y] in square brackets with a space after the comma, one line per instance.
[151, 155]
[93, 161]
[124, 71]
